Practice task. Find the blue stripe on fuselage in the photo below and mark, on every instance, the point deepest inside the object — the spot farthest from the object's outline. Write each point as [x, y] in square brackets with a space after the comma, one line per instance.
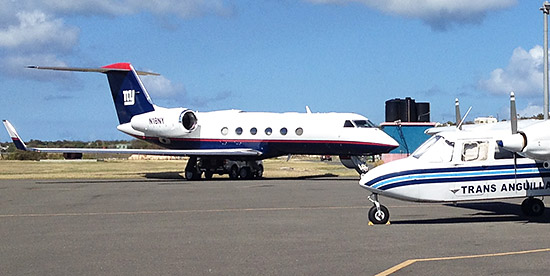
[460, 174]
[271, 148]
[453, 175]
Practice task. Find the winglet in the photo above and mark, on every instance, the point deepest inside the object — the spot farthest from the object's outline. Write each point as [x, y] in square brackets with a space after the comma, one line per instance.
[19, 144]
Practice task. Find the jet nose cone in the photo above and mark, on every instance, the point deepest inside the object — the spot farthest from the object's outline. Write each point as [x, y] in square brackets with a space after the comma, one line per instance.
[390, 142]
[393, 143]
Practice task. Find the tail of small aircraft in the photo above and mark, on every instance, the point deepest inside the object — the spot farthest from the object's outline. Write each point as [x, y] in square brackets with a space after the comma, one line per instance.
[129, 95]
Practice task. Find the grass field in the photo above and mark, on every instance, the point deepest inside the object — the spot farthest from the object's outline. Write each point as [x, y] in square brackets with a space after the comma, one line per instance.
[169, 169]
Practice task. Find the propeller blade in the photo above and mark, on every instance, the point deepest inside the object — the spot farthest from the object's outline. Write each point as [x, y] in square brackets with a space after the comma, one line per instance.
[513, 113]
[517, 141]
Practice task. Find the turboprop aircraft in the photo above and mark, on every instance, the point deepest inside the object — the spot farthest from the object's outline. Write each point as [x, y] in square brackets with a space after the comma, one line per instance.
[210, 138]
[461, 165]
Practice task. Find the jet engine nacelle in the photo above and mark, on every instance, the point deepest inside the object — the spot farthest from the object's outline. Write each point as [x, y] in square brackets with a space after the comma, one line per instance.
[169, 123]
[346, 161]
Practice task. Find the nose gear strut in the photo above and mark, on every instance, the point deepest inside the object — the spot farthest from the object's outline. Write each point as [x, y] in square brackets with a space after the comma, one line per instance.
[378, 214]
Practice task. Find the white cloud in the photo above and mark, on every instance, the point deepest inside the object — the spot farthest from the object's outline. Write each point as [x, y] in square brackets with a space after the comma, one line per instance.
[15, 66]
[35, 30]
[36, 38]
[523, 74]
[530, 110]
[162, 88]
[438, 14]
[179, 8]
[166, 93]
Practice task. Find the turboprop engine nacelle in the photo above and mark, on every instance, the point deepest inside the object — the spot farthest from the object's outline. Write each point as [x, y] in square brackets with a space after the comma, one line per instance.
[533, 142]
[168, 123]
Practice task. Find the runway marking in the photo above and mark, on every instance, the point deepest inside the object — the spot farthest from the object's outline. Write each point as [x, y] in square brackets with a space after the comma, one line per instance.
[412, 261]
[193, 211]
[182, 211]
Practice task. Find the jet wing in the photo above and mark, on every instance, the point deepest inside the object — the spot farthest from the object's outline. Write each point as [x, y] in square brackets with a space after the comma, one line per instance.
[171, 152]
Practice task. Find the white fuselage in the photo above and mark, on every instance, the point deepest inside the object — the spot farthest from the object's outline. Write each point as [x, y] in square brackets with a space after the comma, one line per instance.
[459, 166]
[273, 134]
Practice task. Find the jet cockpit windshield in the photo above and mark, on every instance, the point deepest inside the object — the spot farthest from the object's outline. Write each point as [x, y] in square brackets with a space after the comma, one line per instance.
[363, 123]
[437, 149]
[359, 123]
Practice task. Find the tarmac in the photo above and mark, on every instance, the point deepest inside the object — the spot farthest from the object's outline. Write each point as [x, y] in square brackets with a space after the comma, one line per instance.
[293, 226]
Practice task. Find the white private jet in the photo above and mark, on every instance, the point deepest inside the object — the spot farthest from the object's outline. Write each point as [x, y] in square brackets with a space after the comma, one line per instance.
[466, 165]
[212, 138]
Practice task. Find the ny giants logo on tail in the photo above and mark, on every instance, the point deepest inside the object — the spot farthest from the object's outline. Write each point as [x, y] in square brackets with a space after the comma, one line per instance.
[129, 97]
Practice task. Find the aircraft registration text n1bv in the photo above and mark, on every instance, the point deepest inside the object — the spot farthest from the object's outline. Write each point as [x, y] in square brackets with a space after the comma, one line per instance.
[213, 138]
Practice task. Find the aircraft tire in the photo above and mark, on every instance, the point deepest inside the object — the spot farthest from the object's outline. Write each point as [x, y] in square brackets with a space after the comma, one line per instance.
[192, 175]
[524, 207]
[259, 173]
[245, 173]
[381, 217]
[233, 172]
[532, 207]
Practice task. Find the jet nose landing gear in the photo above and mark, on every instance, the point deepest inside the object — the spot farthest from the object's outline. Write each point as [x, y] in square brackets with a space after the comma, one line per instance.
[378, 214]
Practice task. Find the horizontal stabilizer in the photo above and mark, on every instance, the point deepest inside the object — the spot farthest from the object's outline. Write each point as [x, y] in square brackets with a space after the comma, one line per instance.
[129, 94]
[104, 69]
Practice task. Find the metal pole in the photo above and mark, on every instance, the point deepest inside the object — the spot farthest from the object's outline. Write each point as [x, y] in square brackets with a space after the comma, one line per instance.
[545, 14]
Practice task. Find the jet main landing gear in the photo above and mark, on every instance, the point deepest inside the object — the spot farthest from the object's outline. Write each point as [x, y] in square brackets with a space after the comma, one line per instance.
[378, 214]
[243, 169]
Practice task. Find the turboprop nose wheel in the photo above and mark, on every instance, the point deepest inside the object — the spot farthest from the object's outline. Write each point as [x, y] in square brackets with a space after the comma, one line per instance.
[378, 214]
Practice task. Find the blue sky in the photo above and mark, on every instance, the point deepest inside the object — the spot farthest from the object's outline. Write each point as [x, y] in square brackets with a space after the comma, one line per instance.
[333, 55]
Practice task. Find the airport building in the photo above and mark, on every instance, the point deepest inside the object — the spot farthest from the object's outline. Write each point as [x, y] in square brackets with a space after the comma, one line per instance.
[406, 121]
